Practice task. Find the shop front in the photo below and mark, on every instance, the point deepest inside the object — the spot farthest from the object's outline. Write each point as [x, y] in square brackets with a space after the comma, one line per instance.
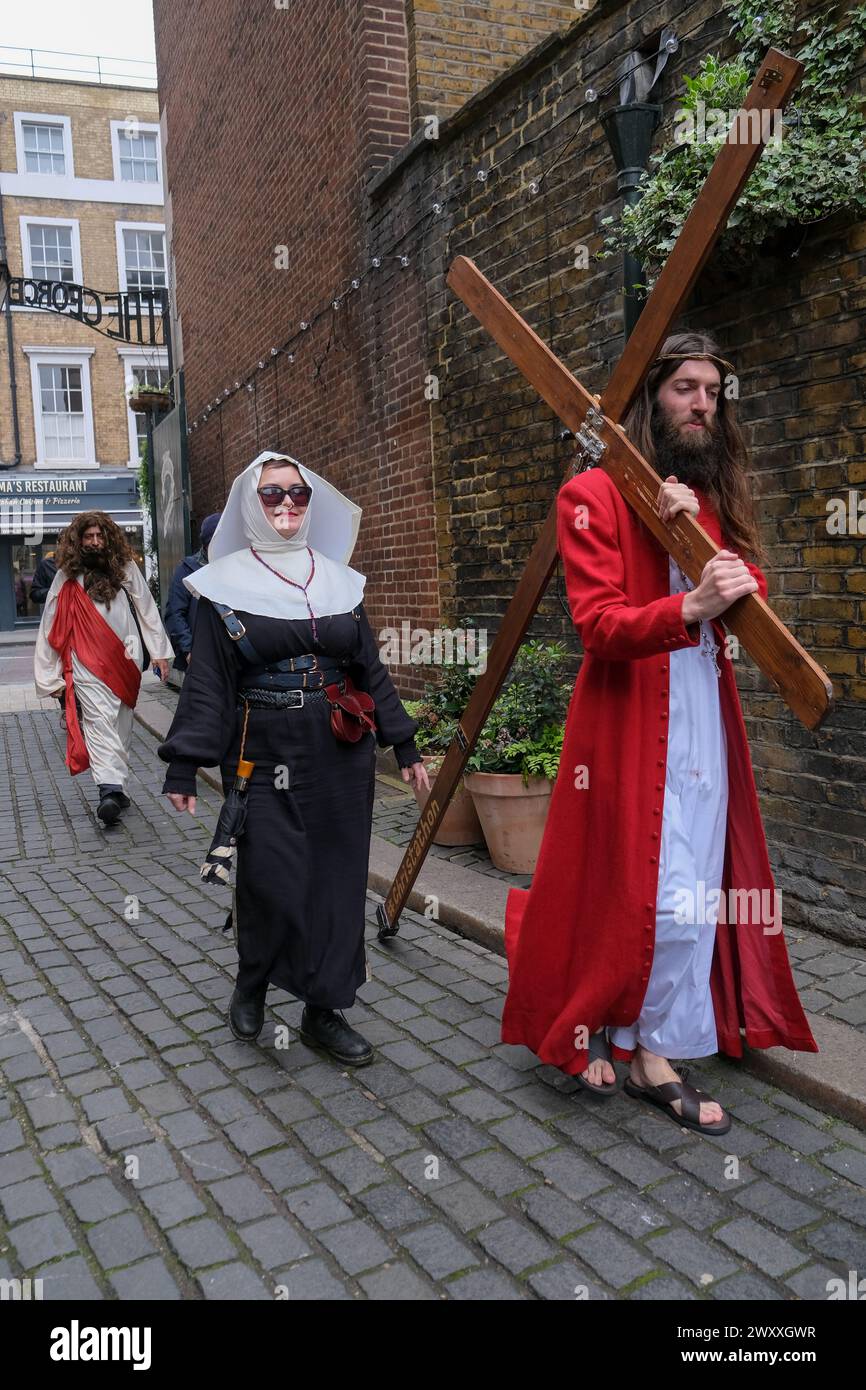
[34, 508]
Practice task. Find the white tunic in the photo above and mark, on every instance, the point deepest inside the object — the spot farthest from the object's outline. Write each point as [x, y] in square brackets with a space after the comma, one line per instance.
[106, 722]
[676, 1019]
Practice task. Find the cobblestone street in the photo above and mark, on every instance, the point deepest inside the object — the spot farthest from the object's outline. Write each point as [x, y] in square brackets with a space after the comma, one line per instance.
[145, 1154]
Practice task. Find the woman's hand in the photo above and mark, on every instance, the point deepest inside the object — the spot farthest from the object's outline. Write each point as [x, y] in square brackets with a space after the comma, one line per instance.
[676, 497]
[162, 668]
[180, 802]
[416, 773]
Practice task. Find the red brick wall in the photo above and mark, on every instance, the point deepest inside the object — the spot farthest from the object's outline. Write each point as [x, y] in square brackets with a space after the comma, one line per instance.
[275, 120]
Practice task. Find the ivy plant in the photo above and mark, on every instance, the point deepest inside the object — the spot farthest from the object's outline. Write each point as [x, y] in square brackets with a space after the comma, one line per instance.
[816, 169]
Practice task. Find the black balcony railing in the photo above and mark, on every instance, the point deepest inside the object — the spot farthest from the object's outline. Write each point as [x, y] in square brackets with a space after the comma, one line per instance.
[81, 67]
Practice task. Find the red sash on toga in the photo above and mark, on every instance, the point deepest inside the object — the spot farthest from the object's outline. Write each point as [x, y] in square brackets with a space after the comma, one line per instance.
[79, 626]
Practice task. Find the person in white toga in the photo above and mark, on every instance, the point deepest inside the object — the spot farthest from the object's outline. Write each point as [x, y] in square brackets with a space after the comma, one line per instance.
[99, 616]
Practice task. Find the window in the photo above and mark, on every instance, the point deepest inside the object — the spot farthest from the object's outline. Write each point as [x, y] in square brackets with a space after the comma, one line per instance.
[62, 407]
[145, 376]
[136, 150]
[138, 158]
[43, 149]
[25, 558]
[141, 256]
[141, 367]
[51, 249]
[43, 144]
[50, 252]
[62, 411]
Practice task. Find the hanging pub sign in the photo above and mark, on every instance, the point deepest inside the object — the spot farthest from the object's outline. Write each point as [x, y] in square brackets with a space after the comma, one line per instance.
[140, 313]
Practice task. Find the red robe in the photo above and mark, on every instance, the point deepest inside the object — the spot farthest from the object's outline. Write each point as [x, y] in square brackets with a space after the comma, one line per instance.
[580, 941]
[79, 627]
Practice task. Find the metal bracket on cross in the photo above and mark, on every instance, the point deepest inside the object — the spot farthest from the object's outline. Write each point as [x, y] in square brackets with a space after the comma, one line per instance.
[590, 445]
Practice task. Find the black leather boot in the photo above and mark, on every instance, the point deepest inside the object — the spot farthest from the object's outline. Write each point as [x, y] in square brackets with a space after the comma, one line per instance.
[111, 804]
[247, 1014]
[328, 1030]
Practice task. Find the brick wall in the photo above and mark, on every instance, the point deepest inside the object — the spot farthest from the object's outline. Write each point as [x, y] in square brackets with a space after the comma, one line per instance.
[456, 48]
[415, 412]
[794, 327]
[90, 107]
[273, 128]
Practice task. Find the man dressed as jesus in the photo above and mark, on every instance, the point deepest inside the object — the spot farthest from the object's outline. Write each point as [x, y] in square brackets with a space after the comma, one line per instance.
[652, 930]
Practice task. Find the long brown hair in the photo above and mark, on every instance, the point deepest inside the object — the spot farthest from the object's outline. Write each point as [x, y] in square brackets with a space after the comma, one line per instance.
[732, 496]
[101, 585]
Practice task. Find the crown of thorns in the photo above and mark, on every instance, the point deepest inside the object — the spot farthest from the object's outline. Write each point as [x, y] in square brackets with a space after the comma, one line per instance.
[691, 356]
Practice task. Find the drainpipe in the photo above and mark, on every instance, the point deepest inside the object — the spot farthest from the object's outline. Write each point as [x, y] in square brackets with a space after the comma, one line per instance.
[629, 128]
[6, 308]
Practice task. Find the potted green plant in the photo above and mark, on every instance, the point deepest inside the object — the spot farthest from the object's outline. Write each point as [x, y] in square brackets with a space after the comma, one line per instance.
[516, 759]
[144, 397]
[437, 714]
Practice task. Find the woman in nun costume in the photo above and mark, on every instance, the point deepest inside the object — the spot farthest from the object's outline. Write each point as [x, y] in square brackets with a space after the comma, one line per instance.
[278, 562]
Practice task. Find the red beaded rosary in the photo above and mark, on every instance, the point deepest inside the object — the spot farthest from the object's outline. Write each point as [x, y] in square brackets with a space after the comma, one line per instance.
[294, 583]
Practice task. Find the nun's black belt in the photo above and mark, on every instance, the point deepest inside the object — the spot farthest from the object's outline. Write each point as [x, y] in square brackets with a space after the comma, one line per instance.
[280, 699]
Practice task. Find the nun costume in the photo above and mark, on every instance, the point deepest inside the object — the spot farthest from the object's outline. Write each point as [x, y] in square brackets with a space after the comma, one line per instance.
[302, 859]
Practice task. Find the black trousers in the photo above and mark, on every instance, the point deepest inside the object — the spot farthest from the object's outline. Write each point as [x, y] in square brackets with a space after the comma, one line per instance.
[302, 860]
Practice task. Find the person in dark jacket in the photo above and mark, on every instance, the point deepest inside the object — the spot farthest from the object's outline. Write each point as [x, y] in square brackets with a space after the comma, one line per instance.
[181, 605]
[43, 578]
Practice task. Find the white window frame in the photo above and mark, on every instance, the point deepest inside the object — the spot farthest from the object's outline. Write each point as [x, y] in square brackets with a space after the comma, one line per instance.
[119, 229]
[62, 357]
[22, 118]
[138, 357]
[150, 128]
[28, 220]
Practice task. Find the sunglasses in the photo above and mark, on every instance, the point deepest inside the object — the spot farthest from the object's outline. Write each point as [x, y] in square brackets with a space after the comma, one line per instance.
[272, 495]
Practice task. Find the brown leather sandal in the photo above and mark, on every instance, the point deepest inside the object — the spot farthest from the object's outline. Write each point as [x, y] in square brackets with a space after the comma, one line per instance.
[599, 1051]
[689, 1096]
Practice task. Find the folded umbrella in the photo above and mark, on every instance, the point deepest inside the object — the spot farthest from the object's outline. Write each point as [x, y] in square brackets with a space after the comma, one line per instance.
[230, 826]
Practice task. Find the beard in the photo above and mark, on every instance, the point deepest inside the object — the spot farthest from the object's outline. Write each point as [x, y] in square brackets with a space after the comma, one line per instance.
[693, 457]
[101, 583]
[94, 559]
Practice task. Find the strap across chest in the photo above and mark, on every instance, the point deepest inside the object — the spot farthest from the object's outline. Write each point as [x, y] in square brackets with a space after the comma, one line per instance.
[306, 672]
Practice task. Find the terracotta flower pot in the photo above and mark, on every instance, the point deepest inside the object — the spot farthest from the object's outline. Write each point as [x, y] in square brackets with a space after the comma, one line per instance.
[460, 824]
[512, 816]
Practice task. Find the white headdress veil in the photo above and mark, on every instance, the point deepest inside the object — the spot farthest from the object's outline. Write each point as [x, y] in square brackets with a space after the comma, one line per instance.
[329, 527]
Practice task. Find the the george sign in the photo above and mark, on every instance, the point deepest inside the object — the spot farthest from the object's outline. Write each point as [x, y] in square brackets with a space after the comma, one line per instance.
[140, 313]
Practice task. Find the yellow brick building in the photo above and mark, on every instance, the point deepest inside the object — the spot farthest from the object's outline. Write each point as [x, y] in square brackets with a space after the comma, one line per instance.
[81, 204]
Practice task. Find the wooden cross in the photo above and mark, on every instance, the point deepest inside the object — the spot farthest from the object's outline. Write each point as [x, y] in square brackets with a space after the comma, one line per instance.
[595, 422]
